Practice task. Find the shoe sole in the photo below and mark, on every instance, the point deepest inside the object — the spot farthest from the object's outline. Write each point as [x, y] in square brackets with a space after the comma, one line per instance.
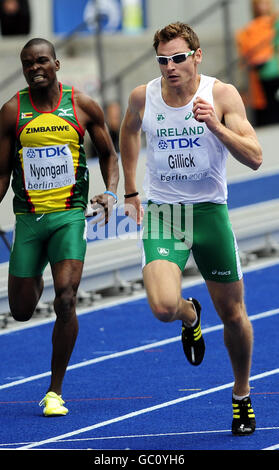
[49, 415]
[243, 433]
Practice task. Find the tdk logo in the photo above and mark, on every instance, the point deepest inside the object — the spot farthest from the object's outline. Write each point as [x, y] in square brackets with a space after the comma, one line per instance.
[178, 143]
[31, 153]
[47, 152]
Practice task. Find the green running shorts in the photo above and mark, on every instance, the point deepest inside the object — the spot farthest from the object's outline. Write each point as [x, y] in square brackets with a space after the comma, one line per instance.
[43, 238]
[172, 232]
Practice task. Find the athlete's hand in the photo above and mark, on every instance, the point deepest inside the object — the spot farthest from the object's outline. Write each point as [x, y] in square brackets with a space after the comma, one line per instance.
[134, 209]
[204, 112]
[101, 205]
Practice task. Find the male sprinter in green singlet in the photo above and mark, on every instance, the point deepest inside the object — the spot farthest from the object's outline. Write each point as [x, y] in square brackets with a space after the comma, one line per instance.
[182, 114]
[41, 145]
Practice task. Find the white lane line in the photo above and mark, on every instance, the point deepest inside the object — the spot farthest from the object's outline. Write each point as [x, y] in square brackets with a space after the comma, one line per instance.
[130, 351]
[275, 447]
[262, 264]
[143, 411]
[168, 434]
[9, 445]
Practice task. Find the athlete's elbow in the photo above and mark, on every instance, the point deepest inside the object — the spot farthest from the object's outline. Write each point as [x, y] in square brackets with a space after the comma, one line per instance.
[256, 161]
[255, 166]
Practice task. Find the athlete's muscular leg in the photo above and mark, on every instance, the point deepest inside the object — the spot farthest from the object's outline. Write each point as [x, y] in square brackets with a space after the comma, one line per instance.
[228, 300]
[66, 276]
[24, 295]
[162, 280]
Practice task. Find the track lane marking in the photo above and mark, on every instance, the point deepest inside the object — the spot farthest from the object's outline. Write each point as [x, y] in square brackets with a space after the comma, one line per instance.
[138, 436]
[127, 352]
[134, 414]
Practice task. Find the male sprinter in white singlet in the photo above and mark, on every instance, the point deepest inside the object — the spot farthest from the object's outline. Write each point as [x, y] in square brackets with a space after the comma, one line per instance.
[191, 121]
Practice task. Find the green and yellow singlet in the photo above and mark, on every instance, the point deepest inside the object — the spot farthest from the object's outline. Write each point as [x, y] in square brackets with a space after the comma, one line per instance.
[50, 171]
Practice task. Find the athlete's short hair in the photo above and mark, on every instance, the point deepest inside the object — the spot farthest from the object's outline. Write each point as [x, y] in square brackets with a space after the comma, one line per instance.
[176, 30]
[35, 41]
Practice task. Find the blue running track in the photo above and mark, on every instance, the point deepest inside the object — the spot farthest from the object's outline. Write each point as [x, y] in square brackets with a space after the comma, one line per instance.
[129, 385]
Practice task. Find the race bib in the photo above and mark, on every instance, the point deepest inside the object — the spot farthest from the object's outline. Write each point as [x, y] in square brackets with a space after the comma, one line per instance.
[181, 160]
[48, 167]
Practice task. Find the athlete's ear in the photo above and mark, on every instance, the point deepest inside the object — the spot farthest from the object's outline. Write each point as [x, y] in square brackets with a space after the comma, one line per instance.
[57, 63]
[198, 56]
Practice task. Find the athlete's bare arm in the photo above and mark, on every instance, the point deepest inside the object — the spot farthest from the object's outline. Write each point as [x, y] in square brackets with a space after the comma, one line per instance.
[237, 134]
[91, 117]
[130, 133]
[8, 116]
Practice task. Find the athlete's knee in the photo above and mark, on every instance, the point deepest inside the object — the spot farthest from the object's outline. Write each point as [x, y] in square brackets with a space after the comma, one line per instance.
[21, 314]
[24, 296]
[164, 311]
[64, 304]
[22, 309]
[234, 315]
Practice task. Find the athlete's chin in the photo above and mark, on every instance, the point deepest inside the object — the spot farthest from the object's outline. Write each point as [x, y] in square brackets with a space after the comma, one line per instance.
[38, 85]
[174, 81]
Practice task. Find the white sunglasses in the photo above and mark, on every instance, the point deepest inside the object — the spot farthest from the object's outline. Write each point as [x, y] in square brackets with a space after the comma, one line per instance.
[176, 58]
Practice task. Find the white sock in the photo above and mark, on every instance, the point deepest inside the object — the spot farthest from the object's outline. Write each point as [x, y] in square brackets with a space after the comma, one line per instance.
[238, 397]
[195, 321]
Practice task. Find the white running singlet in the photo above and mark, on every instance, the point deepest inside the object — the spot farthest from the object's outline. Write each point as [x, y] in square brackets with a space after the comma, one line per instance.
[185, 163]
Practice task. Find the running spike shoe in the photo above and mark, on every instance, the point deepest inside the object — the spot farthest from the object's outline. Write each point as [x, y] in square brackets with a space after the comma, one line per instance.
[192, 339]
[243, 422]
[53, 405]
